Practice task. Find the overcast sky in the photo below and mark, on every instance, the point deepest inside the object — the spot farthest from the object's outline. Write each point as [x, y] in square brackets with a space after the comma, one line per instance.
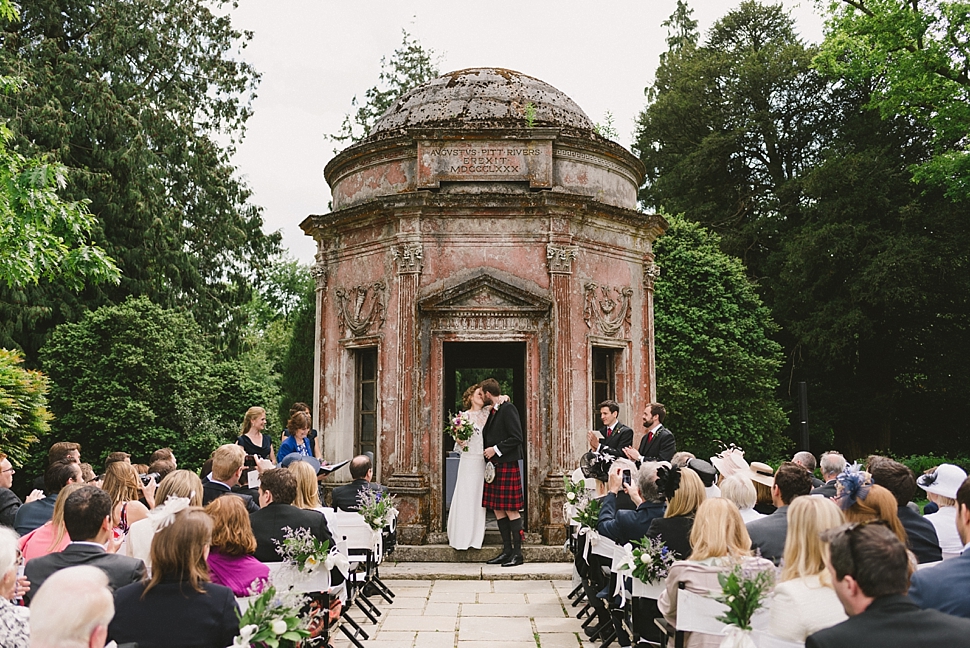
[316, 55]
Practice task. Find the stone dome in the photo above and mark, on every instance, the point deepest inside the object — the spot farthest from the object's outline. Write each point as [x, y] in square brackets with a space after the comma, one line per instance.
[483, 98]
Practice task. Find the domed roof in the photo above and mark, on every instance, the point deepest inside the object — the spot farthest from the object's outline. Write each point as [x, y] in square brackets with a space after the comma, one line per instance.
[482, 98]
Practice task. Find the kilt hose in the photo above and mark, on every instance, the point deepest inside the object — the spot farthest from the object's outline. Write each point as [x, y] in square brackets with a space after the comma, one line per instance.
[505, 491]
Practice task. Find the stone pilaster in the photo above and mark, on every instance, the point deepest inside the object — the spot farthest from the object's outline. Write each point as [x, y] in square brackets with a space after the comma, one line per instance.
[320, 272]
[651, 272]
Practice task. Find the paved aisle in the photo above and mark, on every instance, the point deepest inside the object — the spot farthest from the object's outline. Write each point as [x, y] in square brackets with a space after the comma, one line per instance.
[474, 614]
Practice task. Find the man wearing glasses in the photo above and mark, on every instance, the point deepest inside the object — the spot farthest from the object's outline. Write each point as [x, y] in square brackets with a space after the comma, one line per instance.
[9, 502]
[869, 567]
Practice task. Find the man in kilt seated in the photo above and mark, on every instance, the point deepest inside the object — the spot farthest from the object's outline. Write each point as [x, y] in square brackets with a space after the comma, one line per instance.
[502, 436]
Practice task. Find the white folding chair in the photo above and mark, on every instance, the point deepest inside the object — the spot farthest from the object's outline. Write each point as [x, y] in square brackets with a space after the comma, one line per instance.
[363, 546]
[764, 640]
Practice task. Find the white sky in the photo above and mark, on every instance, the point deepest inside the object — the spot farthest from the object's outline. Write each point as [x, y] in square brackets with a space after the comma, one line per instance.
[316, 55]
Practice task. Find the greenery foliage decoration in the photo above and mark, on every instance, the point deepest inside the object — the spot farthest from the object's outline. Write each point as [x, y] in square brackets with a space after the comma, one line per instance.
[378, 508]
[302, 549]
[588, 512]
[23, 406]
[743, 591]
[651, 559]
[272, 620]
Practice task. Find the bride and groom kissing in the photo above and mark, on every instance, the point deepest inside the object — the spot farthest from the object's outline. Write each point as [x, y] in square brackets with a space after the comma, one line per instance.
[497, 441]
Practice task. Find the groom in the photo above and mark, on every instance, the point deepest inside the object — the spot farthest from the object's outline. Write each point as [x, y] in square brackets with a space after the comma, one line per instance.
[502, 436]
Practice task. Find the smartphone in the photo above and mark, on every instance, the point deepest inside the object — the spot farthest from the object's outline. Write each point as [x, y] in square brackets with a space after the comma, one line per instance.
[627, 478]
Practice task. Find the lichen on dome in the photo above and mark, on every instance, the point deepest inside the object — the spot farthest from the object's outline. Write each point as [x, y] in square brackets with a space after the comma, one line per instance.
[483, 98]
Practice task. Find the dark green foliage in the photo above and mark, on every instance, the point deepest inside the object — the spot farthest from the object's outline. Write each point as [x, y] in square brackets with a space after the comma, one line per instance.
[23, 407]
[716, 363]
[296, 374]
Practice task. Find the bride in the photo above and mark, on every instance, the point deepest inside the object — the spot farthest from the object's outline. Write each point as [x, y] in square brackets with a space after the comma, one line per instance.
[466, 518]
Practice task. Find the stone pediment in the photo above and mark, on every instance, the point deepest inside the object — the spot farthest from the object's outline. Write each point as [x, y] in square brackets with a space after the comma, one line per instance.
[485, 294]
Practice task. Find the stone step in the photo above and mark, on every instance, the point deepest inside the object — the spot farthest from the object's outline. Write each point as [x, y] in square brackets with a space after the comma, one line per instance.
[442, 553]
[392, 573]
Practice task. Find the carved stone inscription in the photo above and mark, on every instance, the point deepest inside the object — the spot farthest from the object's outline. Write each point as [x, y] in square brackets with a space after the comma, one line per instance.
[483, 323]
[506, 161]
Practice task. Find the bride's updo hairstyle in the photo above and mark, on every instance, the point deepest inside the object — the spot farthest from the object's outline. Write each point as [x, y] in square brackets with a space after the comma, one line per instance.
[466, 398]
[179, 550]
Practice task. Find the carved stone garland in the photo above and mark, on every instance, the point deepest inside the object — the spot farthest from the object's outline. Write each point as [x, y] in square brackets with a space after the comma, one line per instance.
[351, 310]
[609, 313]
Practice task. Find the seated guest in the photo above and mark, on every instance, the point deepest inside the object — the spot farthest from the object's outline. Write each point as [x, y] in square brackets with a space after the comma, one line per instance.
[87, 516]
[862, 501]
[162, 467]
[122, 483]
[179, 484]
[178, 606]
[831, 466]
[88, 476]
[228, 464]
[720, 541]
[9, 502]
[708, 475]
[768, 534]
[298, 439]
[164, 454]
[72, 610]
[58, 475]
[681, 459]
[804, 600]
[944, 587]
[870, 570]
[806, 460]
[738, 489]
[14, 619]
[117, 457]
[921, 535]
[307, 489]
[277, 490]
[684, 492]
[941, 487]
[763, 477]
[52, 536]
[730, 461]
[231, 561]
[345, 497]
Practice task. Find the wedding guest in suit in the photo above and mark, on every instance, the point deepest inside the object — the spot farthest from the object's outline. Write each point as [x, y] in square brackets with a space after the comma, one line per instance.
[231, 561]
[804, 601]
[179, 484]
[768, 534]
[807, 461]
[87, 516]
[277, 490]
[14, 619]
[941, 487]
[52, 536]
[738, 489]
[720, 542]
[657, 443]
[178, 606]
[228, 464]
[9, 502]
[32, 515]
[502, 439]
[613, 436]
[362, 471]
[944, 587]
[684, 492]
[831, 466]
[870, 569]
[73, 609]
[921, 535]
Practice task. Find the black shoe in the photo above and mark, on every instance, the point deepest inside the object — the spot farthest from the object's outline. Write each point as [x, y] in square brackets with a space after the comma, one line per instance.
[514, 561]
[499, 559]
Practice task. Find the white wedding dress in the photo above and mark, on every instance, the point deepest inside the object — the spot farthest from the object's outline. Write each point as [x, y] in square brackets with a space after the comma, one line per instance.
[466, 518]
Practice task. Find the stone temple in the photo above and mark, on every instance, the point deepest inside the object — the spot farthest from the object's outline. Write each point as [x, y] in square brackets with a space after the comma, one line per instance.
[482, 228]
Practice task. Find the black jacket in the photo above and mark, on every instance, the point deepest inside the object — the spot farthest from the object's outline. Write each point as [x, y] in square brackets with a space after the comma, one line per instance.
[268, 524]
[626, 526]
[212, 491]
[894, 621]
[504, 429]
[9, 505]
[662, 447]
[675, 533]
[923, 541]
[828, 489]
[622, 437]
[121, 570]
[345, 497]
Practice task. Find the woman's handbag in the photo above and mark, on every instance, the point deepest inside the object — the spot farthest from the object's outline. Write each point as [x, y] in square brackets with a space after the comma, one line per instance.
[489, 472]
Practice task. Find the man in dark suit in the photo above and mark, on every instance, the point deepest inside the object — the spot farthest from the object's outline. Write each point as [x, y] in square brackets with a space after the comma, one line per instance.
[34, 514]
[277, 490]
[944, 587]
[227, 467]
[87, 517]
[502, 438]
[345, 497]
[658, 444]
[613, 436]
[9, 502]
[831, 465]
[920, 532]
[806, 460]
[768, 534]
[870, 573]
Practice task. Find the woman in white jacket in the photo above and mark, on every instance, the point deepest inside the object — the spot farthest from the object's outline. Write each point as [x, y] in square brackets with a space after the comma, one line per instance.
[804, 600]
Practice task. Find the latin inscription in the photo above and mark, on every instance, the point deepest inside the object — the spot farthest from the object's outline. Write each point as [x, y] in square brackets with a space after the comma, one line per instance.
[483, 323]
[483, 161]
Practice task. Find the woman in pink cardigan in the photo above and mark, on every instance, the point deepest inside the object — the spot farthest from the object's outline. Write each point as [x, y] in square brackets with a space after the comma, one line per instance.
[51, 536]
[231, 561]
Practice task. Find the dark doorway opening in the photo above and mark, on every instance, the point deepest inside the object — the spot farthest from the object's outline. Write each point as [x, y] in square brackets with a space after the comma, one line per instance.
[467, 363]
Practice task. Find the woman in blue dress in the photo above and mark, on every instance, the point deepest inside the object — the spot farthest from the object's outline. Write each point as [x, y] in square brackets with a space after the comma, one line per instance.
[297, 441]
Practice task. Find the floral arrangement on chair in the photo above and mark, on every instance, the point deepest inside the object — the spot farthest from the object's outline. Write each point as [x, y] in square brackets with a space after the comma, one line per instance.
[460, 428]
[743, 592]
[377, 508]
[272, 620]
[575, 491]
[587, 512]
[302, 549]
[651, 560]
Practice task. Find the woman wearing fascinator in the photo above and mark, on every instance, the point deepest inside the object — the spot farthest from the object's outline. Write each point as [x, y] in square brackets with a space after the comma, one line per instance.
[864, 502]
[684, 492]
[177, 485]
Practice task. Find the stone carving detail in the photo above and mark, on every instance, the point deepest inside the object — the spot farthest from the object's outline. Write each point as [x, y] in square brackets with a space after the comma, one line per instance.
[320, 271]
[610, 312]
[409, 257]
[358, 308]
[651, 272]
[560, 257]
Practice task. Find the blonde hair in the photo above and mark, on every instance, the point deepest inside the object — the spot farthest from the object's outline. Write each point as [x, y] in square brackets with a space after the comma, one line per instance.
[121, 482]
[739, 489]
[763, 492]
[178, 550]
[57, 519]
[718, 531]
[804, 554]
[307, 494]
[69, 606]
[180, 483]
[252, 414]
[688, 496]
[232, 532]
[879, 504]
[226, 460]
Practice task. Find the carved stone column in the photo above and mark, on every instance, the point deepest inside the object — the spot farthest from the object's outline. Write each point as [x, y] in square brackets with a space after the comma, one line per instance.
[406, 481]
[651, 272]
[320, 272]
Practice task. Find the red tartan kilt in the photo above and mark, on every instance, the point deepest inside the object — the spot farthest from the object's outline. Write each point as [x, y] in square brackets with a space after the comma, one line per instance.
[505, 491]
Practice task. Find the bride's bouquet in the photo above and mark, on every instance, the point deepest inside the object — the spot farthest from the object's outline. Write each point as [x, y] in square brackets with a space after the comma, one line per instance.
[460, 428]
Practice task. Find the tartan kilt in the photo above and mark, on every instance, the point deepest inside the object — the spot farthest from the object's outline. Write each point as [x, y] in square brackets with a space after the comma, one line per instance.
[505, 491]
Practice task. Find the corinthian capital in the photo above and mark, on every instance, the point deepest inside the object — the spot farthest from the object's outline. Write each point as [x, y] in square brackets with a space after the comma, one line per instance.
[320, 271]
[651, 272]
[409, 257]
[560, 257]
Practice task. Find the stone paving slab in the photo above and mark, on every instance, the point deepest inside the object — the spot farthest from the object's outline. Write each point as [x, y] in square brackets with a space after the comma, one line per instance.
[424, 571]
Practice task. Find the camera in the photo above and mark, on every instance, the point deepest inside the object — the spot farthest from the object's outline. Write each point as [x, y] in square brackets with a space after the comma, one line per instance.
[250, 462]
[627, 478]
[147, 478]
